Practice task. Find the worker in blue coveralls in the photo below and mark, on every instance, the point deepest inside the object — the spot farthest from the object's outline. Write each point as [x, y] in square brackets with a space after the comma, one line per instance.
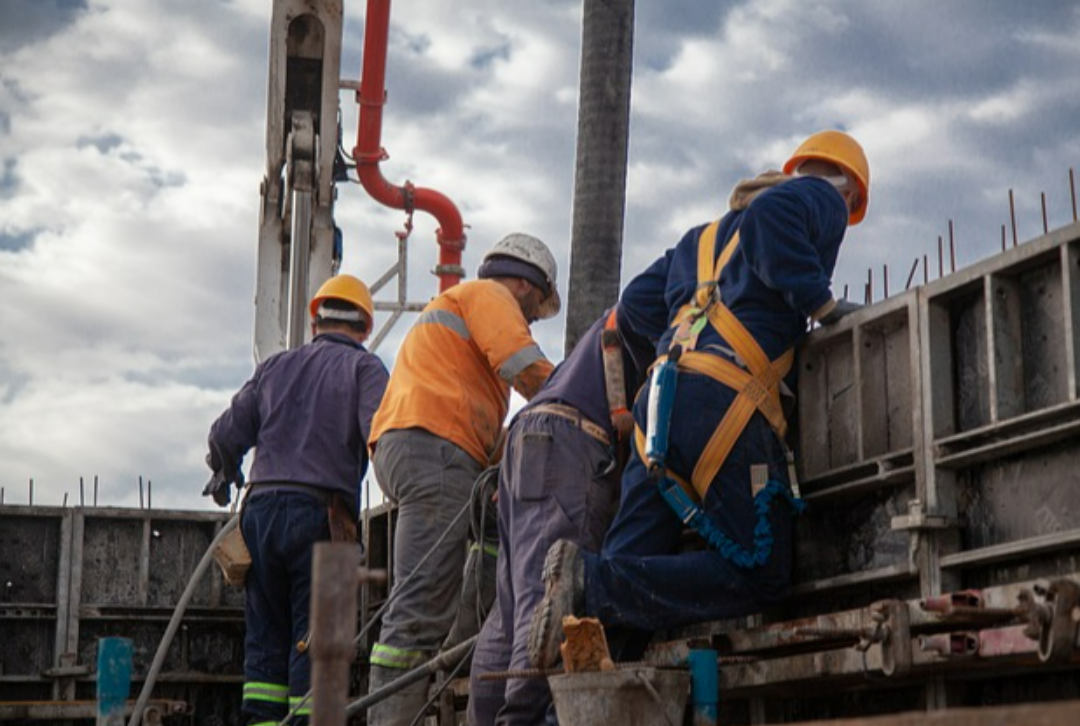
[559, 478]
[736, 296]
[307, 412]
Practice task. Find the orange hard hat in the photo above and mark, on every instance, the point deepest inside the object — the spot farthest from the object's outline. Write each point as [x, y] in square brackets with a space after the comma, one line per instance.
[349, 289]
[838, 148]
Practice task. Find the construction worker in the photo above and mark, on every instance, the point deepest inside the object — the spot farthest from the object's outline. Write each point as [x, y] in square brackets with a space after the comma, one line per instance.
[308, 414]
[559, 478]
[709, 447]
[440, 425]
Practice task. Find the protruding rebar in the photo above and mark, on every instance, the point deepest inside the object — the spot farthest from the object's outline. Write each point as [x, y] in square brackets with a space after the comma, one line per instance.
[940, 257]
[1012, 215]
[1046, 227]
[31, 491]
[952, 249]
[885, 279]
[1003, 238]
[911, 275]
[82, 493]
[925, 270]
[1072, 192]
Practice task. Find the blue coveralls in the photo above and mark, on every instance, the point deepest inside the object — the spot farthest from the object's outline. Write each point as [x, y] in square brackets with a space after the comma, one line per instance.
[308, 414]
[556, 481]
[780, 273]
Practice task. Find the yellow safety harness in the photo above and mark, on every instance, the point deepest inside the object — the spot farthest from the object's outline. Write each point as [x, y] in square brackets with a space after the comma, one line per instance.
[758, 384]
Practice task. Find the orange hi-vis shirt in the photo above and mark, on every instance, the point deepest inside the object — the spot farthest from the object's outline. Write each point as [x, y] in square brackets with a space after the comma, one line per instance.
[453, 372]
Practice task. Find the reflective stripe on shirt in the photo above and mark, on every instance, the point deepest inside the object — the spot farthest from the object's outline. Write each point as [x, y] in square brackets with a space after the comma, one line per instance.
[519, 361]
[447, 318]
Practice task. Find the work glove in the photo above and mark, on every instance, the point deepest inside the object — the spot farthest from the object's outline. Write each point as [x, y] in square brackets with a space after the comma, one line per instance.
[219, 487]
[843, 307]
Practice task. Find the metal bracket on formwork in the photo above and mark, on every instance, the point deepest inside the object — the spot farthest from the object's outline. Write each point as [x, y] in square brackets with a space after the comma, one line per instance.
[1052, 622]
[918, 519]
[893, 621]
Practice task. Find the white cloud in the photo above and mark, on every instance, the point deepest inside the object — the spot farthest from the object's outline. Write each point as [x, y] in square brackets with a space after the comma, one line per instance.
[132, 146]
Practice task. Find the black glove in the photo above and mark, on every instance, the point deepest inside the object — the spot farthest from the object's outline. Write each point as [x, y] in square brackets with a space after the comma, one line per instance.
[219, 485]
[843, 307]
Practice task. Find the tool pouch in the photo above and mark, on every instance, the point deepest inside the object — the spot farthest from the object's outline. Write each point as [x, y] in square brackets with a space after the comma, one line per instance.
[233, 557]
[342, 523]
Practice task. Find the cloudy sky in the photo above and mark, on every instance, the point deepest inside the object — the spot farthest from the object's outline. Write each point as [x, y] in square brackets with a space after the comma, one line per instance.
[131, 150]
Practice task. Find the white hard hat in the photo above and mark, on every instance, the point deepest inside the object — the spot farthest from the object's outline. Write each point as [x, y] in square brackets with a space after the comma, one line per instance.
[532, 251]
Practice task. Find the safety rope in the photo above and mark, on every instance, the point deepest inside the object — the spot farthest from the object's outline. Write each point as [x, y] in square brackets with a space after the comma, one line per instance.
[694, 516]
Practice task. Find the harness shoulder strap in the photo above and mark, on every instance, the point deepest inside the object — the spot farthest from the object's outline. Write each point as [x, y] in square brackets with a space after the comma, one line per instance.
[615, 377]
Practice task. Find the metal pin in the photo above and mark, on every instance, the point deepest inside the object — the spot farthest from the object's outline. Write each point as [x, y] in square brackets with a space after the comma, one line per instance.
[1012, 215]
[911, 275]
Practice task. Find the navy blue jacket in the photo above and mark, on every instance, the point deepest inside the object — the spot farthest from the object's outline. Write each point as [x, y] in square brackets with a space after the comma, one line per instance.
[579, 380]
[781, 272]
[308, 414]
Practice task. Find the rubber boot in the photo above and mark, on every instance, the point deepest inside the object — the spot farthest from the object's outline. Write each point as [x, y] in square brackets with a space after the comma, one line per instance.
[477, 596]
[401, 708]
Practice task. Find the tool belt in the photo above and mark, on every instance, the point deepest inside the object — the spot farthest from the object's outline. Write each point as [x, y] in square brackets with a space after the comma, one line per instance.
[573, 415]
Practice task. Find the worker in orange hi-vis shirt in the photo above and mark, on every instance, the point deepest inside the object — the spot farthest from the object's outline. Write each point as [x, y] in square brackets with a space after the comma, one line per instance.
[438, 427]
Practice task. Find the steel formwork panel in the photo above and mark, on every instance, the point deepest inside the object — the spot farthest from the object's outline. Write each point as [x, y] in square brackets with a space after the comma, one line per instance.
[73, 575]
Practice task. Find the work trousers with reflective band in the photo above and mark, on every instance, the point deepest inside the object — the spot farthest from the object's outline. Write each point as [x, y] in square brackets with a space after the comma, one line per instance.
[640, 580]
[280, 529]
[430, 480]
[556, 482]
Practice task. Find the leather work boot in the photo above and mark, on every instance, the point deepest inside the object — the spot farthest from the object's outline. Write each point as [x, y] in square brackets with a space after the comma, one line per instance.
[564, 594]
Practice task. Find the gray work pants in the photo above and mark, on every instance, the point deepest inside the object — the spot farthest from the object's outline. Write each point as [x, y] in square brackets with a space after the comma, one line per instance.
[430, 480]
[556, 482]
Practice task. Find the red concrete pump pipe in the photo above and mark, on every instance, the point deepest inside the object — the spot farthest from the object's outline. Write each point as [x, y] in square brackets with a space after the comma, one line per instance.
[368, 153]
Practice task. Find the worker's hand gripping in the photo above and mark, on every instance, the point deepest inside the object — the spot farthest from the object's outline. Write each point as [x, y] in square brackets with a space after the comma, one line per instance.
[843, 308]
[219, 487]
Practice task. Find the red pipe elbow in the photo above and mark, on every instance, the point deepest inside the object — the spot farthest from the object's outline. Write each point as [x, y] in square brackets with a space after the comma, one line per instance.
[368, 152]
